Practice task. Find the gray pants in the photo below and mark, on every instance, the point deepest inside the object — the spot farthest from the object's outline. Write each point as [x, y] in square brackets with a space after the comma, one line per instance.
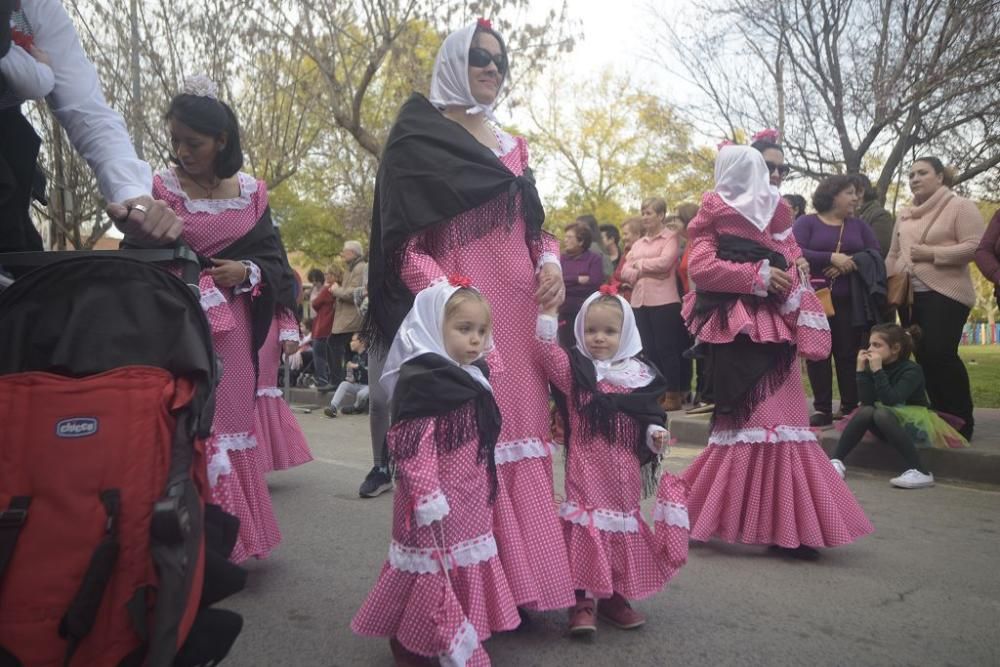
[349, 391]
[378, 408]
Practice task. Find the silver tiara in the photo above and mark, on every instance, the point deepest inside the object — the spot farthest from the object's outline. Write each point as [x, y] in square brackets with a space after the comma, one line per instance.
[201, 86]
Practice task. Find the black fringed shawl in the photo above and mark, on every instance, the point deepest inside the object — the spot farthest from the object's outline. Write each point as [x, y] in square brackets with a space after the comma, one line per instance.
[744, 373]
[432, 386]
[622, 419]
[432, 170]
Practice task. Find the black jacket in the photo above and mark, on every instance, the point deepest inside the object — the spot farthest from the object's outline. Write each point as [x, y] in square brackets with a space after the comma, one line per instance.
[868, 288]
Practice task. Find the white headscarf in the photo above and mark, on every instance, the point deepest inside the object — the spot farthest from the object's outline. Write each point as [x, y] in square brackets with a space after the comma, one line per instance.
[450, 81]
[422, 331]
[622, 369]
[741, 179]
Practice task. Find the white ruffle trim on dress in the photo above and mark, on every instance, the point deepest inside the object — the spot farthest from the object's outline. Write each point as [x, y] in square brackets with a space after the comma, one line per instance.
[512, 451]
[671, 514]
[813, 320]
[248, 186]
[763, 279]
[210, 298]
[430, 508]
[428, 561]
[651, 443]
[463, 645]
[548, 258]
[754, 436]
[253, 279]
[269, 392]
[219, 464]
[607, 520]
[288, 334]
[547, 328]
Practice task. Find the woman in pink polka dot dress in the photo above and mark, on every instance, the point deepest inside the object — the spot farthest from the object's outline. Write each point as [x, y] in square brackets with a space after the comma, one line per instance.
[221, 206]
[509, 260]
[615, 438]
[763, 479]
[442, 590]
[281, 441]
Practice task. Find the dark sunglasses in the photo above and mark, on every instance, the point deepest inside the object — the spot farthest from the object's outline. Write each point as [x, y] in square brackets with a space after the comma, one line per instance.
[482, 58]
[783, 169]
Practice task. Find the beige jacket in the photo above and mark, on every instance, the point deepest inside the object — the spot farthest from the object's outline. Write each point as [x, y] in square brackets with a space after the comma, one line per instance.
[956, 226]
[346, 316]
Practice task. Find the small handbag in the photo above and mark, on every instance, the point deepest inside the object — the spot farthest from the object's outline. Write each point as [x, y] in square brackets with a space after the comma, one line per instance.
[899, 289]
[825, 294]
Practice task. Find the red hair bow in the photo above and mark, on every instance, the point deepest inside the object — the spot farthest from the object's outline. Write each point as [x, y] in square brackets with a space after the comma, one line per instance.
[459, 281]
[608, 290]
[770, 134]
[485, 23]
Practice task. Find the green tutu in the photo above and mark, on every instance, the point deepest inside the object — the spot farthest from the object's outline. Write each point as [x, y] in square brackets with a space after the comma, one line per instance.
[926, 427]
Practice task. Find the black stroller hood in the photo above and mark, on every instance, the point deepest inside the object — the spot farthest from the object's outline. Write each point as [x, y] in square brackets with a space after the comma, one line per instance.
[88, 315]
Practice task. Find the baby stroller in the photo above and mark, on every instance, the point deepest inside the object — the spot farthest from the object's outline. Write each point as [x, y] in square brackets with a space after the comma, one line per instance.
[108, 552]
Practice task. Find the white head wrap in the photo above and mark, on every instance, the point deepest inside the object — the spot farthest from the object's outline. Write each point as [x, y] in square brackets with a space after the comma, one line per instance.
[450, 81]
[422, 332]
[742, 181]
[622, 369]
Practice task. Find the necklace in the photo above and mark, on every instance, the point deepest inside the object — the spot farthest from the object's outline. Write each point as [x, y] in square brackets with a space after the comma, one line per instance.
[209, 191]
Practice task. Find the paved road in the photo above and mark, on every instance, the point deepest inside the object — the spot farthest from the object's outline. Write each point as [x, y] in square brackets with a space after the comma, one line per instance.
[924, 589]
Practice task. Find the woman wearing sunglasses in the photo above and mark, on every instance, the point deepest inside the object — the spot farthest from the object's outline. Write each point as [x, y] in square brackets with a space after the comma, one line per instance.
[455, 196]
[766, 142]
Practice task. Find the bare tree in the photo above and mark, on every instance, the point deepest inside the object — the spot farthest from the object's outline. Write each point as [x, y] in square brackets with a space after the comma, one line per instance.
[858, 84]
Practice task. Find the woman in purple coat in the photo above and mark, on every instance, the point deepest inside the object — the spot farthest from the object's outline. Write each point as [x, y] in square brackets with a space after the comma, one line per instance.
[583, 274]
[829, 240]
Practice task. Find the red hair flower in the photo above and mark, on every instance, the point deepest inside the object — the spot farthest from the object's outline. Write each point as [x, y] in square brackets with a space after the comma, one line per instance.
[770, 134]
[722, 144]
[485, 23]
[608, 290]
[459, 281]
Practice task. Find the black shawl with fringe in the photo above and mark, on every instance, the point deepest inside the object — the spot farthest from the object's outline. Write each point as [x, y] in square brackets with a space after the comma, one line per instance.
[744, 373]
[432, 386]
[622, 419]
[432, 170]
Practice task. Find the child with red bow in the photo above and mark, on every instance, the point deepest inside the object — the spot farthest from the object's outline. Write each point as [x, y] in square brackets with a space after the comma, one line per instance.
[615, 436]
[442, 590]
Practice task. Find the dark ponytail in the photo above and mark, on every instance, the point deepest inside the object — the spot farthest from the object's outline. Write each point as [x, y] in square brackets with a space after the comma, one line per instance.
[212, 117]
[907, 339]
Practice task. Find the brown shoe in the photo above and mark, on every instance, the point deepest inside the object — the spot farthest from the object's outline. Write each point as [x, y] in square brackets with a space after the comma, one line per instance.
[673, 401]
[582, 620]
[404, 658]
[618, 612]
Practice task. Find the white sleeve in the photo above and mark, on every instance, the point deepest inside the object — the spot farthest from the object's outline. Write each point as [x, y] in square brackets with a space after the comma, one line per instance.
[96, 130]
[651, 431]
[27, 78]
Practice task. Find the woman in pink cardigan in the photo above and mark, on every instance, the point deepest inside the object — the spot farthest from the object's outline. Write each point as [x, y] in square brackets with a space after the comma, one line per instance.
[651, 269]
[943, 294]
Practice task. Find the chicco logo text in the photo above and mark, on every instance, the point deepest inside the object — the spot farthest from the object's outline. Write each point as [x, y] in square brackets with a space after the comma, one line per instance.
[77, 427]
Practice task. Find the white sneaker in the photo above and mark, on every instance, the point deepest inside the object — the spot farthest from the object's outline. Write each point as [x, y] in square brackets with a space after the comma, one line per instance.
[912, 479]
[839, 466]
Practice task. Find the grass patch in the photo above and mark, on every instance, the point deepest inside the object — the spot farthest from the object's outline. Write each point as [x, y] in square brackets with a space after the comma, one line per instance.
[981, 361]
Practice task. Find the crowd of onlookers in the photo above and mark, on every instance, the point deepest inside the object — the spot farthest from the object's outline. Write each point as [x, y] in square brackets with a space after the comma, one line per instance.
[858, 255]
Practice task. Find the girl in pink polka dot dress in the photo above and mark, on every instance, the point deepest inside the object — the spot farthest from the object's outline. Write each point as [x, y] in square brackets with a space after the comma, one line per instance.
[222, 209]
[442, 590]
[763, 479]
[282, 443]
[615, 436]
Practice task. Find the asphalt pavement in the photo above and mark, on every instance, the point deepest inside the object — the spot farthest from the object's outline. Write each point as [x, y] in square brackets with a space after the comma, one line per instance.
[924, 589]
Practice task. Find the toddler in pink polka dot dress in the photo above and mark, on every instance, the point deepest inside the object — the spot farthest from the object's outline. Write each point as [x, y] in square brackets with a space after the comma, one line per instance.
[442, 590]
[615, 437]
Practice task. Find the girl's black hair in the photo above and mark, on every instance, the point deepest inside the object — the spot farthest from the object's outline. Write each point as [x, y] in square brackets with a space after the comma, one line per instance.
[315, 276]
[212, 117]
[894, 335]
[798, 202]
